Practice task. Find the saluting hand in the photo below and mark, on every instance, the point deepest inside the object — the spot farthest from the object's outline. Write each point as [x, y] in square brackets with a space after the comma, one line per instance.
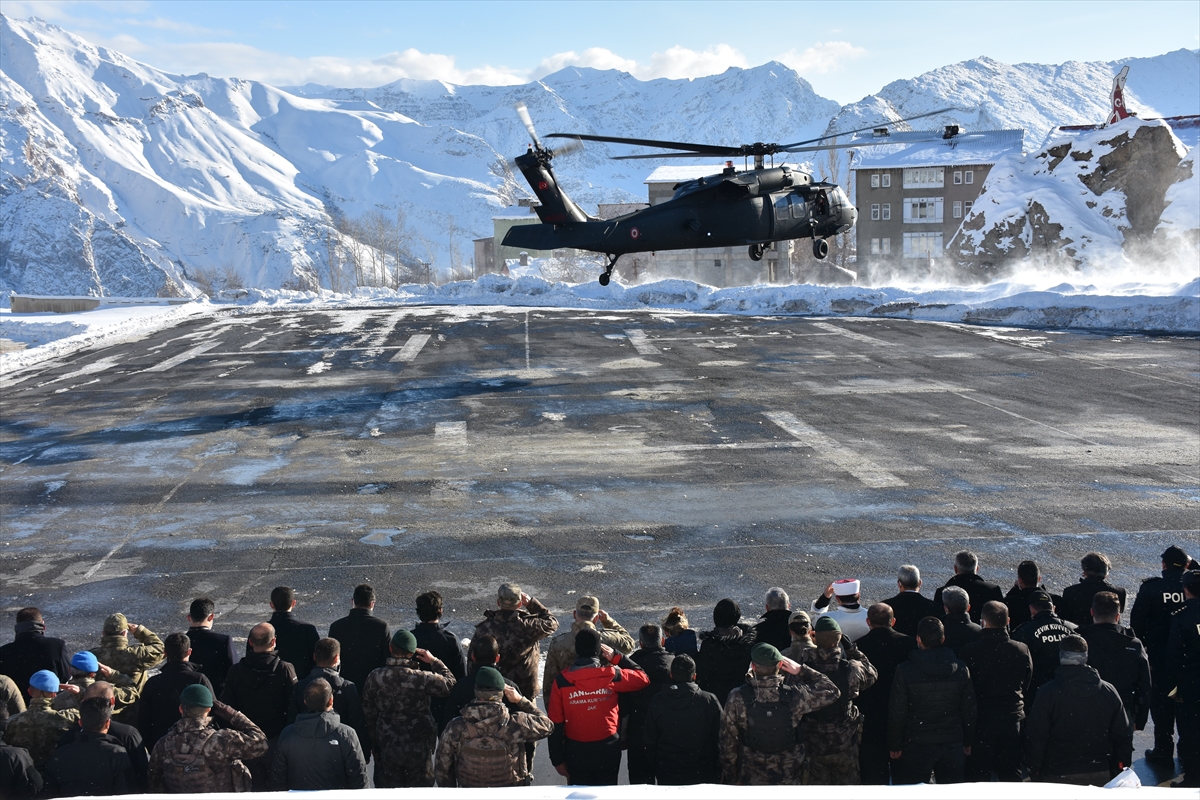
[424, 656]
[790, 667]
[512, 694]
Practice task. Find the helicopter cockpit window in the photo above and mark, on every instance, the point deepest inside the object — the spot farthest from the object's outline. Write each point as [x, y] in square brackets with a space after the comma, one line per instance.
[799, 210]
[781, 207]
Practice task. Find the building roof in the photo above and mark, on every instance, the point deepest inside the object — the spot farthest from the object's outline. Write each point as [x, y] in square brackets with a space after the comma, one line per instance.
[970, 147]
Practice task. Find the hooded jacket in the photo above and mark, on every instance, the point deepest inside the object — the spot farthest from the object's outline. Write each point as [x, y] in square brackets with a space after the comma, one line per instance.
[347, 703]
[94, 764]
[485, 745]
[724, 658]
[1001, 670]
[260, 686]
[318, 752]
[680, 734]
[1120, 658]
[1077, 725]
[583, 701]
[933, 701]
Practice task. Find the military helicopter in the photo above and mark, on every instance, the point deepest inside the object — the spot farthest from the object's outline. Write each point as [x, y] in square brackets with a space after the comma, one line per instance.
[752, 207]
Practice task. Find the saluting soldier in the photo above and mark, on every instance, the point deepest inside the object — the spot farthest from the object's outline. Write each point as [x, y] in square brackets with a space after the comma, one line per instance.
[134, 660]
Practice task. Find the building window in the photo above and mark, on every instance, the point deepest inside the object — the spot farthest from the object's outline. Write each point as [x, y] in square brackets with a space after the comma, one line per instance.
[887, 247]
[875, 211]
[957, 177]
[875, 246]
[875, 181]
[958, 209]
[967, 207]
[921, 210]
[887, 211]
[924, 177]
[970, 176]
[886, 179]
[922, 245]
[716, 262]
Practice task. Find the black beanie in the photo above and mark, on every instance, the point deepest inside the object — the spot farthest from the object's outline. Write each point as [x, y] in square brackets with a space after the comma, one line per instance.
[727, 613]
[587, 643]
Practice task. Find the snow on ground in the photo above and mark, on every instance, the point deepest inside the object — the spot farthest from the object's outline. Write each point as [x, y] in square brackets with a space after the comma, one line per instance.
[1150, 300]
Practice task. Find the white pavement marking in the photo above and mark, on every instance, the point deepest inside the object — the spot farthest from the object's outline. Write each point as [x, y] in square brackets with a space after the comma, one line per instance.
[858, 337]
[186, 355]
[872, 386]
[411, 348]
[630, 363]
[99, 365]
[641, 342]
[526, 340]
[137, 528]
[1032, 421]
[450, 434]
[843, 457]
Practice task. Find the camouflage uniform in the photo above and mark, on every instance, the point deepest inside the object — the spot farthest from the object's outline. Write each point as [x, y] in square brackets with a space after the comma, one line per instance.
[744, 766]
[561, 654]
[116, 652]
[12, 700]
[518, 631]
[395, 702]
[799, 648]
[831, 746]
[124, 690]
[39, 728]
[486, 745]
[196, 757]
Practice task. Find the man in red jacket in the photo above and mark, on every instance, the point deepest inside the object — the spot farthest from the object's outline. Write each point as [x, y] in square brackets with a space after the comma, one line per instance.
[585, 747]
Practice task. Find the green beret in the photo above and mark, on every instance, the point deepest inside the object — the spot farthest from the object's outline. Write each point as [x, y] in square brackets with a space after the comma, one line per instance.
[827, 624]
[196, 695]
[765, 655]
[404, 642]
[489, 679]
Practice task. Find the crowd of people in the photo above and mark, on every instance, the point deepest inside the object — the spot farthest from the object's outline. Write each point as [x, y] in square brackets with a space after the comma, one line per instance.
[969, 684]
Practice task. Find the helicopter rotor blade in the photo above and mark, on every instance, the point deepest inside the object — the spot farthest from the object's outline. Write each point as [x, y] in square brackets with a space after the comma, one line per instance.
[788, 148]
[704, 149]
[523, 113]
[571, 146]
[648, 156]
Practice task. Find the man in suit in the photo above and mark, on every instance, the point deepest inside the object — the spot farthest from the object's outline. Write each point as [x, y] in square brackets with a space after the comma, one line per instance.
[1076, 605]
[212, 653]
[364, 638]
[910, 606]
[966, 577]
[886, 648]
[295, 640]
[32, 650]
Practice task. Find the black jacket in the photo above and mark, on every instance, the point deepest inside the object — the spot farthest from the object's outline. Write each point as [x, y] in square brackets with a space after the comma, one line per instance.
[774, 629]
[1001, 670]
[910, 608]
[1077, 725]
[978, 590]
[128, 737]
[1120, 658]
[18, 778]
[158, 709]
[724, 658]
[1183, 652]
[94, 764]
[656, 664]
[1076, 605]
[463, 693]
[886, 649]
[260, 686]
[347, 703]
[434, 637]
[364, 639]
[932, 702]
[318, 752]
[680, 734]
[32, 651]
[213, 654]
[1042, 635]
[294, 641]
[1017, 601]
[1157, 599]
[960, 631]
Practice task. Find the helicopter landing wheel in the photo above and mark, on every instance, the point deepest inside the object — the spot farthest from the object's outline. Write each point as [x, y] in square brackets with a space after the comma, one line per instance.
[820, 248]
[756, 252]
[604, 279]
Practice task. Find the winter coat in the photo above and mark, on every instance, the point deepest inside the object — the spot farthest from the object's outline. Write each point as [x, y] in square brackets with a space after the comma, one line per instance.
[485, 746]
[583, 701]
[960, 631]
[656, 663]
[365, 642]
[1183, 653]
[835, 728]
[1001, 670]
[39, 728]
[32, 651]
[1120, 658]
[978, 590]
[213, 654]
[1077, 725]
[910, 608]
[933, 701]
[159, 709]
[462, 694]
[723, 659]
[128, 737]
[94, 764]
[318, 752]
[18, 779]
[518, 632]
[1157, 599]
[395, 702]
[1017, 601]
[1076, 605]
[682, 643]
[12, 699]
[561, 653]
[294, 641]
[134, 658]
[260, 686]
[1042, 635]
[774, 629]
[886, 649]
[197, 757]
[434, 637]
[347, 703]
[682, 727]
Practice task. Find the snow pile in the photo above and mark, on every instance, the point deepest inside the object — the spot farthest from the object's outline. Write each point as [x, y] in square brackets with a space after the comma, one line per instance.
[1092, 198]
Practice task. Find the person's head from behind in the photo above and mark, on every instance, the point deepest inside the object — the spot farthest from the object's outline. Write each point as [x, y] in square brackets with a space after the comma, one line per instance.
[484, 650]
[965, 563]
[1040, 602]
[327, 653]
[777, 599]
[880, 615]
[364, 596]
[177, 647]
[683, 669]
[930, 633]
[676, 622]
[765, 659]
[1095, 565]
[283, 598]
[202, 610]
[994, 614]
[1191, 583]
[429, 606]
[489, 685]
[195, 701]
[955, 600]
[726, 613]
[1106, 607]
[1073, 650]
[262, 637]
[102, 689]
[800, 626]
[650, 636]
[908, 578]
[1028, 575]
[318, 696]
[404, 644]
[95, 715]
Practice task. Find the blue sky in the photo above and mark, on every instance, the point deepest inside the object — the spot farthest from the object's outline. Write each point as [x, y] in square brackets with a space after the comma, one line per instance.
[846, 49]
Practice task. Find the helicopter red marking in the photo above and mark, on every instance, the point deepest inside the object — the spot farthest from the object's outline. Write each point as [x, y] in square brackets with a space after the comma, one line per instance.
[634, 233]
[543, 185]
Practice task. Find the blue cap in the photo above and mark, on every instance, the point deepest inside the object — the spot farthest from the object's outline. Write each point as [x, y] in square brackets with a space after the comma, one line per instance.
[44, 680]
[85, 662]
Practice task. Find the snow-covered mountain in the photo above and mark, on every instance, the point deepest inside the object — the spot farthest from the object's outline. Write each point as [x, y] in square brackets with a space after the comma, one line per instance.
[117, 178]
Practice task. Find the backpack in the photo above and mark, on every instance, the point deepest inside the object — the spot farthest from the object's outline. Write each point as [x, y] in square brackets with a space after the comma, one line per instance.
[769, 728]
[489, 760]
[188, 772]
[836, 711]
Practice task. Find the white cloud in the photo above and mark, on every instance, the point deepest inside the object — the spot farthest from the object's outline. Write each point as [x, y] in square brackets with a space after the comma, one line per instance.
[675, 62]
[594, 57]
[822, 58]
